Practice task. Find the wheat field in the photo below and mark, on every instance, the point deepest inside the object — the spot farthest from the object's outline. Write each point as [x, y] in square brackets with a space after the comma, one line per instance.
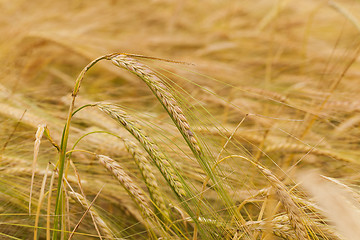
[171, 119]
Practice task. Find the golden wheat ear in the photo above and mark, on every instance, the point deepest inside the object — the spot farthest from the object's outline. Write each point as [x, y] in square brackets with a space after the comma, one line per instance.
[125, 180]
[164, 95]
[295, 215]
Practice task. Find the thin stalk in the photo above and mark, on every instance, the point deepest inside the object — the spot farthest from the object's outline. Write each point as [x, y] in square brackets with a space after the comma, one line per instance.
[64, 140]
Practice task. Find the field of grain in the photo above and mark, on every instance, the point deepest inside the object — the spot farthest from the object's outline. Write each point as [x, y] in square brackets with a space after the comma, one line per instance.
[170, 119]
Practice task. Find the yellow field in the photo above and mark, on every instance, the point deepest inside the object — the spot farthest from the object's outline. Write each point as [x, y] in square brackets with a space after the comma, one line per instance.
[180, 119]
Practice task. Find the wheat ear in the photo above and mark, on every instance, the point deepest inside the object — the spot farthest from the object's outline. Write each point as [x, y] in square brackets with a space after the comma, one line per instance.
[151, 148]
[318, 228]
[163, 93]
[125, 180]
[148, 175]
[292, 210]
[284, 231]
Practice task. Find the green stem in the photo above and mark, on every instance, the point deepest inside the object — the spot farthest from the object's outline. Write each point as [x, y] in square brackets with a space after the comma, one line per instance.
[59, 195]
[82, 107]
[59, 211]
